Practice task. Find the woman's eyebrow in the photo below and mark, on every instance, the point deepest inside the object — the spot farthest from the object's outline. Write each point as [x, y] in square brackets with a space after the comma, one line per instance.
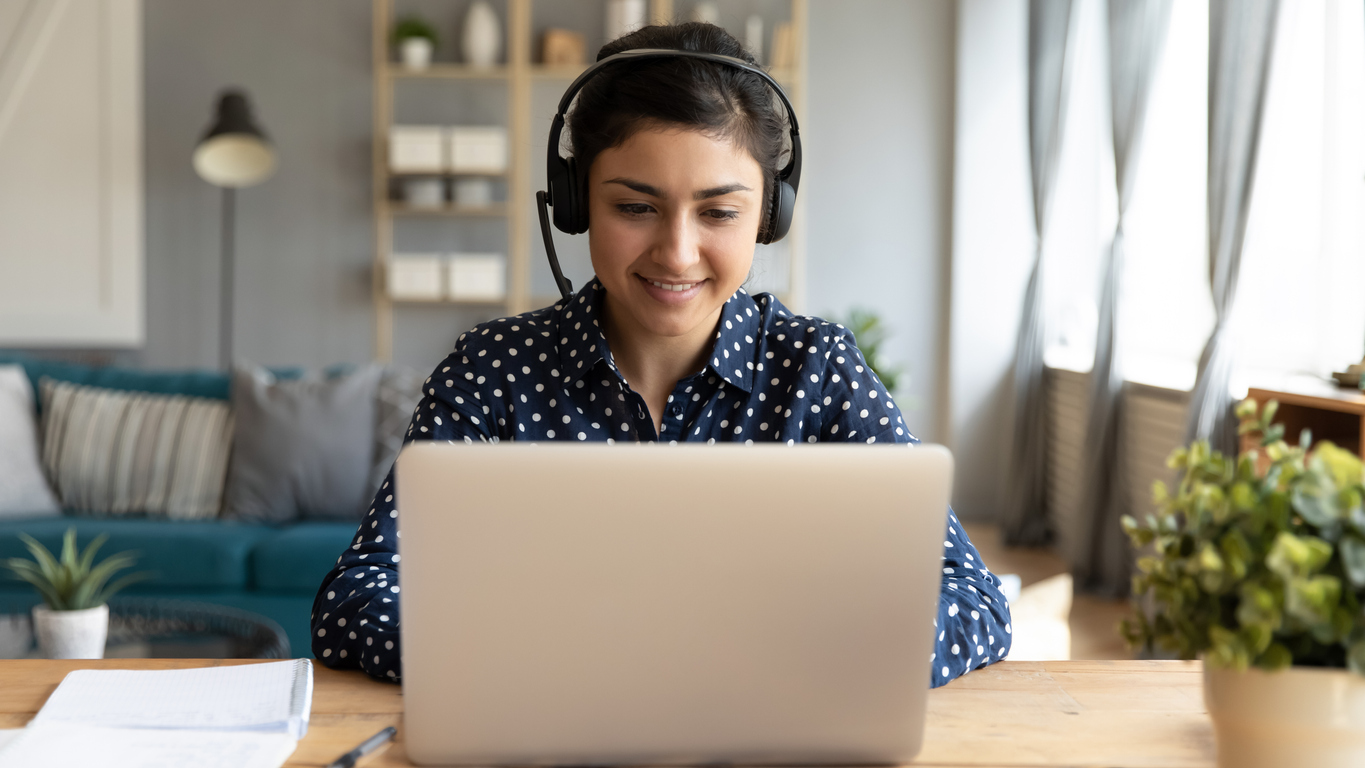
[726, 189]
[703, 194]
[638, 186]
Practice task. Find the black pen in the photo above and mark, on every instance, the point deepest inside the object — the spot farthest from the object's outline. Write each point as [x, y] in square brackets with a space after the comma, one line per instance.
[367, 746]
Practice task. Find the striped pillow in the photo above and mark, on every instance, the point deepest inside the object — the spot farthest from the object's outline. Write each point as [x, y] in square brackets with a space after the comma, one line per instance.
[130, 453]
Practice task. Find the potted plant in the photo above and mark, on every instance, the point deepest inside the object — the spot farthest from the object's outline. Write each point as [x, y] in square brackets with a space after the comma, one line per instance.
[415, 39]
[1257, 565]
[74, 619]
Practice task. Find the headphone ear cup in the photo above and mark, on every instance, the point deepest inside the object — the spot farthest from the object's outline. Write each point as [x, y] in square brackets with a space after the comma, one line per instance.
[779, 213]
[580, 199]
[562, 193]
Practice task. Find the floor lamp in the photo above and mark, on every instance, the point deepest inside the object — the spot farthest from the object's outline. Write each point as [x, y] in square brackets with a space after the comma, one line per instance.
[234, 153]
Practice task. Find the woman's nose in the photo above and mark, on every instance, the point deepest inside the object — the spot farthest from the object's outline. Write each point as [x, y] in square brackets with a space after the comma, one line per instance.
[677, 246]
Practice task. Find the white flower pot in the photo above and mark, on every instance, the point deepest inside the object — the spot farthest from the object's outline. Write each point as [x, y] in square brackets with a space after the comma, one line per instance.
[416, 53]
[1299, 716]
[482, 39]
[71, 634]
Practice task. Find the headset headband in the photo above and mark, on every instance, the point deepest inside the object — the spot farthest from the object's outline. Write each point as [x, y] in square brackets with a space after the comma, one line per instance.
[570, 213]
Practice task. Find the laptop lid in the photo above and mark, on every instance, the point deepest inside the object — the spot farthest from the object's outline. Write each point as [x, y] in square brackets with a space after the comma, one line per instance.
[607, 604]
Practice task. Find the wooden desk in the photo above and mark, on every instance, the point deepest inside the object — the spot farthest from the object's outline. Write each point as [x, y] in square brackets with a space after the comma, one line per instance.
[1014, 713]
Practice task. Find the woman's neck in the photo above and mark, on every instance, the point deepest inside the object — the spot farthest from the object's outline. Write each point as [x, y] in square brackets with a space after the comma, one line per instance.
[653, 364]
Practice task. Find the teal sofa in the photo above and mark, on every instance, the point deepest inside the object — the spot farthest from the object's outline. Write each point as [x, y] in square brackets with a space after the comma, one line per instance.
[270, 570]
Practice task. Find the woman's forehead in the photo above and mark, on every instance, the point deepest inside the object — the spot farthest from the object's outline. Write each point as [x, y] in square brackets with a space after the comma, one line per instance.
[681, 153]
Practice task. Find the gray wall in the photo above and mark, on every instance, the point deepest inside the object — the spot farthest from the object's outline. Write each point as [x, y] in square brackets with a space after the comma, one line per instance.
[877, 185]
[878, 181]
[303, 236]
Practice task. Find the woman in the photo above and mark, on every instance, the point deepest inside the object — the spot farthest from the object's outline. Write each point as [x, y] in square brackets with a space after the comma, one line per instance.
[664, 344]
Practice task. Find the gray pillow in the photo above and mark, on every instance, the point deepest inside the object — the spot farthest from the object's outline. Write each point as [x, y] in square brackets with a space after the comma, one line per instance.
[303, 449]
[400, 389]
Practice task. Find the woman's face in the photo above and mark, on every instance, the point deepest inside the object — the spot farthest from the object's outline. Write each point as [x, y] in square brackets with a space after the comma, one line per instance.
[674, 214]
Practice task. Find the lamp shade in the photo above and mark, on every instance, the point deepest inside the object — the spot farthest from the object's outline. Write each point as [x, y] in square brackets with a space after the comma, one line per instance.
[234, 151]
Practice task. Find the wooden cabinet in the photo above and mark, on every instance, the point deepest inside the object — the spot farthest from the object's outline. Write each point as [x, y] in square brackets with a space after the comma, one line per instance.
[1330, 412]
[521, 94]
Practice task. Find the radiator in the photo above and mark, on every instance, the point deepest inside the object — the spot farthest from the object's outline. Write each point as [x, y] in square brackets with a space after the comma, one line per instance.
[1152, 424]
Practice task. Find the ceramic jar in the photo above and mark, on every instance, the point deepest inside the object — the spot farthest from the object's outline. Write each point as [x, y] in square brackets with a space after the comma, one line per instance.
[71, 634]
[416, 53]
[482, 40]
[1298, 716]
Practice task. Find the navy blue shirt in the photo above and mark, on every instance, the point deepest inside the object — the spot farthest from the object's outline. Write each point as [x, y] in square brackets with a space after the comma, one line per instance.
[548, 375]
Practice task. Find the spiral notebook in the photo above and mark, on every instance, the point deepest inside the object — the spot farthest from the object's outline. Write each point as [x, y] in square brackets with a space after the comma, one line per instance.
[241, 716]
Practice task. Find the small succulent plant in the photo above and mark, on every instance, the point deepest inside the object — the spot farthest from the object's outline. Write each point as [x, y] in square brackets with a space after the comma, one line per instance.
[73, 582]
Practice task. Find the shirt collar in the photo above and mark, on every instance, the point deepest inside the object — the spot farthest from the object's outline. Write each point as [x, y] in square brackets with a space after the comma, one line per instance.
[582, 343]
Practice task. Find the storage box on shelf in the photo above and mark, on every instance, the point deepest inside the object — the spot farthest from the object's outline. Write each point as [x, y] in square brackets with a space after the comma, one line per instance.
[525, 79]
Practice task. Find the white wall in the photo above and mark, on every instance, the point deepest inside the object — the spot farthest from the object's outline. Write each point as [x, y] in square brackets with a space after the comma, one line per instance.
[992, 234]
[877, 182]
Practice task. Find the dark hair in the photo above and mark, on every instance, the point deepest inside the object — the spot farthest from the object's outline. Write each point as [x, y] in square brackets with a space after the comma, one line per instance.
[689, 93]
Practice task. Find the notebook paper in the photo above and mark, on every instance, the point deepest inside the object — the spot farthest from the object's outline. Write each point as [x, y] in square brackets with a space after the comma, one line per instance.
[62, 745]
[271, 697]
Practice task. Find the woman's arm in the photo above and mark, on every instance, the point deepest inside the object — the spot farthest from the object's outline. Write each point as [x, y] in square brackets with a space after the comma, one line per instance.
[973, 621]
[355, 619]
[973, 625]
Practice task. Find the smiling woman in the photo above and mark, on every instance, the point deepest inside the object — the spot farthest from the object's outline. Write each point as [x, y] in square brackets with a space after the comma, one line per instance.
[678, 171]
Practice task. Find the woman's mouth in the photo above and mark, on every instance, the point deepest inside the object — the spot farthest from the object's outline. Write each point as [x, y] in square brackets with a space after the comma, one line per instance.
[671, 291]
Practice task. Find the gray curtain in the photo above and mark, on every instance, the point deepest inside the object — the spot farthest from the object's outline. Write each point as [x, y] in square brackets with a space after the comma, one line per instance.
[1241, 39]
[1050, 44]
[1137, 35]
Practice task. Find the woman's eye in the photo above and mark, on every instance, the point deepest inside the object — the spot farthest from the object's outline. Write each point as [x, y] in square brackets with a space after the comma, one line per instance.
[633, 209]
[721, 214]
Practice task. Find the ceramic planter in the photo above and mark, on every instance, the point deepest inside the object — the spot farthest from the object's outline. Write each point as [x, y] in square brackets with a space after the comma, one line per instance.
[416, 53]
[1298, 716]
[71, 634]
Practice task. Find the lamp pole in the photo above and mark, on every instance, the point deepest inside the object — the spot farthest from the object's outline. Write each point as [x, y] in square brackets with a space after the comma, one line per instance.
[227, 279]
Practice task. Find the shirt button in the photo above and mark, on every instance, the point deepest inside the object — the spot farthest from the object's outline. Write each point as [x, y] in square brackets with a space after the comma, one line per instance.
[675, 411]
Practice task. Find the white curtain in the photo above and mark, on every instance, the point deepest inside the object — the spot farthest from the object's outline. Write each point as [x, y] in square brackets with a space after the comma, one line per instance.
[1050, 44]
[1137, 34]
[1241, 39]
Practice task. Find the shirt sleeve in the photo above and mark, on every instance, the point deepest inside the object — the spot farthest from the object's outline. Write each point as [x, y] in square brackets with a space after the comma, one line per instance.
[355, 619]
[973, 621]
[856, 406]
[973, 624]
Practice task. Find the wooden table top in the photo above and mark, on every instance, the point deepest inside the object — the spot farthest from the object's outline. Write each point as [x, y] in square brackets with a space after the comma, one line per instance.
[1134, 714]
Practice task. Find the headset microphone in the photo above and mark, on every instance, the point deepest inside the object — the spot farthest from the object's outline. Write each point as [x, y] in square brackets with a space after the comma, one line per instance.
[565, 188]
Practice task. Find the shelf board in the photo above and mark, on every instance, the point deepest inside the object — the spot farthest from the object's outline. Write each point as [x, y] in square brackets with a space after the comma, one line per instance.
[405, 174]
[400, 208]
[557, 71]
[451, 302]
[448, 71]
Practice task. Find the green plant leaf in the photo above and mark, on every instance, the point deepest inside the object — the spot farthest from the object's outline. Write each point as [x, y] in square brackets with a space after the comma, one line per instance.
[1294, 556]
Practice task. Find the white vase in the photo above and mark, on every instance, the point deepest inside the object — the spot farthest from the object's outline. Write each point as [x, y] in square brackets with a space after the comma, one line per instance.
[71, 634]
[1307, 716]
[416, 53]
[482, 41]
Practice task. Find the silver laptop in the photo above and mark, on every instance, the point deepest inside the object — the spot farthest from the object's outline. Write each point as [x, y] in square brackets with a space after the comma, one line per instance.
[608, 604]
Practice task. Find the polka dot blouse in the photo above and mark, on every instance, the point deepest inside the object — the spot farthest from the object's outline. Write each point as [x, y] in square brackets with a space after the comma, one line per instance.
[548, 375]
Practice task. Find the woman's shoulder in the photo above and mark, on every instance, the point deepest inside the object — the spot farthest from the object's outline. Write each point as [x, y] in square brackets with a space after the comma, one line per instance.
[800, 335]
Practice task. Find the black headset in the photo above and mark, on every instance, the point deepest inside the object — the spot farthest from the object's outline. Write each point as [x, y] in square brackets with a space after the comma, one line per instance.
[566, 188]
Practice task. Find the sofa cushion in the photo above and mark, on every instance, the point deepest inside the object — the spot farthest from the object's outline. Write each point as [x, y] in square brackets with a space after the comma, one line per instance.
[295, 559]
[181, 554]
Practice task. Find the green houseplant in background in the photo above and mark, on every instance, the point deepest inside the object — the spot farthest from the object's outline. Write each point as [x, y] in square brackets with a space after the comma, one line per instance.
[869, 333]
[415, 39]
[73, 622]
[1257, 564]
